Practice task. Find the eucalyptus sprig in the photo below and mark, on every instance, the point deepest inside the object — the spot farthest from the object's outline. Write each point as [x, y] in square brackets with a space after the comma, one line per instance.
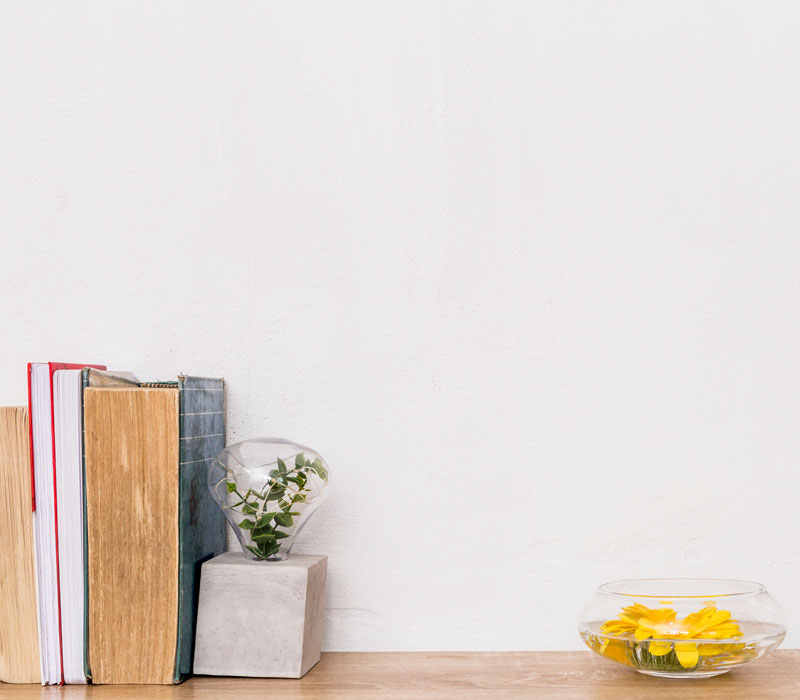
[270, 507]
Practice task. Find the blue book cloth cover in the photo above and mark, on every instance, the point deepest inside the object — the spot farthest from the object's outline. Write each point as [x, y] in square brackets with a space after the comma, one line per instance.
[201, 523]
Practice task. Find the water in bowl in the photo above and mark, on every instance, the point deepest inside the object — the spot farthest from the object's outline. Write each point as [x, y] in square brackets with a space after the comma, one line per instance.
[713, 656]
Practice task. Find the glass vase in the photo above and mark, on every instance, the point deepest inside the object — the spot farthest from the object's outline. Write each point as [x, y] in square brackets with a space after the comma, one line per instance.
[267, 489]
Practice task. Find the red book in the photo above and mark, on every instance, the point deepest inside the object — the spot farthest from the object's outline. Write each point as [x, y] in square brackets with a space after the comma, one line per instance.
[44, 493]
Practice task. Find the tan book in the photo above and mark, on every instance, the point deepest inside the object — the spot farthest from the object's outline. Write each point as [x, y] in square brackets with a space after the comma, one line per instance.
[150, 522]
[19, 635]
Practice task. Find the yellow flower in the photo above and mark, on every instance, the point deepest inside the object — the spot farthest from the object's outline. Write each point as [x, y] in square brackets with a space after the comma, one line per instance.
[660, 626]
[631, 617]
[708, 623]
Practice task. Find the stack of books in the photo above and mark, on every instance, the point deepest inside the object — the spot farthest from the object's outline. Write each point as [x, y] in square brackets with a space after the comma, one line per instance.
[105, 520]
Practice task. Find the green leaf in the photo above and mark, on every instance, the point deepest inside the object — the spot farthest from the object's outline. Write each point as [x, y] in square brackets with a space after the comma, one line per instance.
[265, 520]
[256, 551]
[249, 509]
[300, 460]
[282, 465]
[231, 486]
[264, 537]
[246, 524]
[319, 468]
[280, 535]
[284, 519]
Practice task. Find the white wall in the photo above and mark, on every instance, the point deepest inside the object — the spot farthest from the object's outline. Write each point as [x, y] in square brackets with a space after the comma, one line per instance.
[525, 273]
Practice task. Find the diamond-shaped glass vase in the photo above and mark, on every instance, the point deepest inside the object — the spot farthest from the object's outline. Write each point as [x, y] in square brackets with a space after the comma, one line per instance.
[267, 489]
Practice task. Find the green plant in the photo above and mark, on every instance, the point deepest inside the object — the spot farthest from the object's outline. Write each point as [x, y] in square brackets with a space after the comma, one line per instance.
[271, 507]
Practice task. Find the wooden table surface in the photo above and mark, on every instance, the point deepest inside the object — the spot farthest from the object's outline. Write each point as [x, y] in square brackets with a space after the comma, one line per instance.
[491, 675]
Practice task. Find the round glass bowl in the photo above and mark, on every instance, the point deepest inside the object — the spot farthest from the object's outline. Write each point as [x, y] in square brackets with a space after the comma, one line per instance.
[682, 627]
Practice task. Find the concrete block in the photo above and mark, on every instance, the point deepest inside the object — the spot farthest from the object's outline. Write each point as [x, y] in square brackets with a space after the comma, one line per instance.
[258, 618]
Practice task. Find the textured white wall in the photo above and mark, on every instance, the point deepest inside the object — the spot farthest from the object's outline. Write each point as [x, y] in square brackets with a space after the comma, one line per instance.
[527, 274]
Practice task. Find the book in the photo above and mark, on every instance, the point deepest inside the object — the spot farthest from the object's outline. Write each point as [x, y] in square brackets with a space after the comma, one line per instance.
[44, 498]
[68, 457]
[151, 523]
[19, 638]
[95, 378]
[68, 387]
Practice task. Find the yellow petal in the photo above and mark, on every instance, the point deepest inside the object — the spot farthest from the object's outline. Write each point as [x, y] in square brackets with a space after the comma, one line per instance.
[634, 612]
[617, 627]
[722, 631]
[642, 633]
[647, 622]
[710, 649]
[662, 615]
[659, 648]
[616, 650]
[720, 616]
[687, 654]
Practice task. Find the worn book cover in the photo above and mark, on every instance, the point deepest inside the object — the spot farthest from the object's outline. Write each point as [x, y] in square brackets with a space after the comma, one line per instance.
[91, 377]
[19, 637]
[150, 523]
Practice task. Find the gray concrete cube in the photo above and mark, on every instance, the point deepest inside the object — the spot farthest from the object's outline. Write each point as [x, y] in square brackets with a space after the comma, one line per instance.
[260, 619]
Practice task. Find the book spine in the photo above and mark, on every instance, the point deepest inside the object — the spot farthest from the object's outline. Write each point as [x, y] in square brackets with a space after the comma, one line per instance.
[91, 376]
[30, 436]
[53, 367]
[201, 522]
[87, 671]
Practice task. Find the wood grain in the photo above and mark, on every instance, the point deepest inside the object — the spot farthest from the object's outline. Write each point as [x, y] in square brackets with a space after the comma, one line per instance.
[19, 637]
[132, 443]
[450, 676]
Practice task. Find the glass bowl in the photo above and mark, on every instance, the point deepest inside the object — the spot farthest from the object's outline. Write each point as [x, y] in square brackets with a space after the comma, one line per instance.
[682, 627]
